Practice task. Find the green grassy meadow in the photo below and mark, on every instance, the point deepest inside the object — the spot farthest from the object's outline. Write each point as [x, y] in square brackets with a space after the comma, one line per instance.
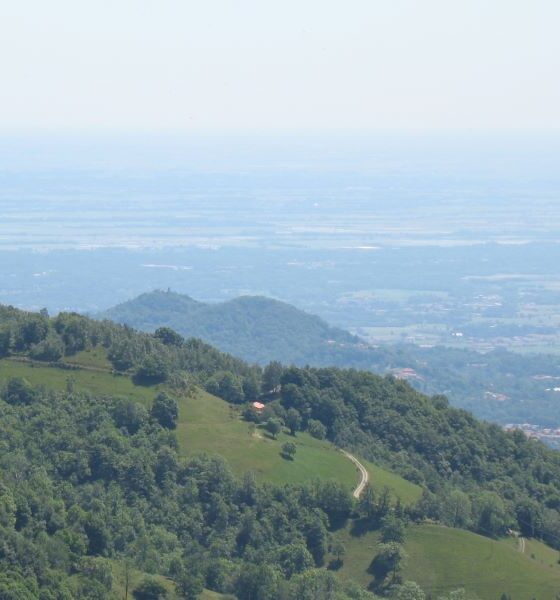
[209, 424]
[441, 559]
[96, 357]
[380, 478]
[99, 383]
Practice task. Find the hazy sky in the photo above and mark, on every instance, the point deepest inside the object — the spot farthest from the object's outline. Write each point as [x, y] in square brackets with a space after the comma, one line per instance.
[279, 64]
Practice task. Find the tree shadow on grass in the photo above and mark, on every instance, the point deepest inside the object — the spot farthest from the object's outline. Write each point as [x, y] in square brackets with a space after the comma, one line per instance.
[335, 564]
[144, 381]
[360, 527]
[337, 522]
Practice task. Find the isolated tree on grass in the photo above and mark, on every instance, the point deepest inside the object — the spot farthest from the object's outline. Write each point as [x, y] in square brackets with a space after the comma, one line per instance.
[190, 586]
[289, 450]
[388, 562]
[392, 529]
[274, 427]
[339, 551]
[293, 420]
[152, 369]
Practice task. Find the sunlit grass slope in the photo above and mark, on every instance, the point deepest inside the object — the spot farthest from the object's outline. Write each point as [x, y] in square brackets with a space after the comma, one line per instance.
[441, 559]
[208, 424]
[539, 552]
[380, 478]
[99, 383]
[96, 357]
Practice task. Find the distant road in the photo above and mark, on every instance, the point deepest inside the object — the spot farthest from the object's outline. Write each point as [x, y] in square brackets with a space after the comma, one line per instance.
[363, 473]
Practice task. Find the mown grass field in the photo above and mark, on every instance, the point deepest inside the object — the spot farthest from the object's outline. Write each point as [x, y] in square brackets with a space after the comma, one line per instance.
[209, 424]
[441, 559]
[539, 552]
[379, 478]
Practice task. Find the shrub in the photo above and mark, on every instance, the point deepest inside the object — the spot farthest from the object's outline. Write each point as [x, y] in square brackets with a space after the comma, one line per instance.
[289, 450]
[317, 429]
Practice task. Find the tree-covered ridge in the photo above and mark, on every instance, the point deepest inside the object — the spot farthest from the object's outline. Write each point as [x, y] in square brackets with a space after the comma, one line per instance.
[255, 328]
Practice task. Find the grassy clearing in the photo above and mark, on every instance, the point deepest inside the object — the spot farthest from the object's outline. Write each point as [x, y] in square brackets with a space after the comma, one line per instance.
[208, 424]
[380, 478]
[96, 357]
[441, 559]
[135, 578]
[96, 382]
[537, 551]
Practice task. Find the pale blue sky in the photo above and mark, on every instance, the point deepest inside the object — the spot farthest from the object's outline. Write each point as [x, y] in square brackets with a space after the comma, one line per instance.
[289, 65]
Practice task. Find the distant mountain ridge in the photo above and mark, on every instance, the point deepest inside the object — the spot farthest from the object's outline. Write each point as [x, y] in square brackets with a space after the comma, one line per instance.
[255, 328]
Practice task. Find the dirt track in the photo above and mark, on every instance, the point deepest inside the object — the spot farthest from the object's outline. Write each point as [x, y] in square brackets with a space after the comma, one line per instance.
[363, 472]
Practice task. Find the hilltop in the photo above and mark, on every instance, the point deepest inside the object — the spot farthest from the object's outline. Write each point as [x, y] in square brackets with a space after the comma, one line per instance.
[254, 328]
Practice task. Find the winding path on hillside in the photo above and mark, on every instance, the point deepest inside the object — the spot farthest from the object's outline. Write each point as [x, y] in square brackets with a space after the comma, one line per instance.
[363, 473]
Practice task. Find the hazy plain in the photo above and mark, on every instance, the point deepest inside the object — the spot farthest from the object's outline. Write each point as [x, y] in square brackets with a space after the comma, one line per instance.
[416, 238]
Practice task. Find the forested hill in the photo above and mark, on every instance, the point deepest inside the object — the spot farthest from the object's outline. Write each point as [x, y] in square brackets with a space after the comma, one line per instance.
[255, 328]
[500, 386]
[89, 480]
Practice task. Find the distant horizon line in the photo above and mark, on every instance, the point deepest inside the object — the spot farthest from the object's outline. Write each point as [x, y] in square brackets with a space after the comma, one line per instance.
[182, 133]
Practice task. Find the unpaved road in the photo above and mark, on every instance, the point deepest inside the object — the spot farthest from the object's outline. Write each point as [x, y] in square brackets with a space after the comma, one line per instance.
[363, 473]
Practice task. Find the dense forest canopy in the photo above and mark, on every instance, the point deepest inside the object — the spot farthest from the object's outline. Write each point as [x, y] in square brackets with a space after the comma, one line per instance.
[88, 479]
